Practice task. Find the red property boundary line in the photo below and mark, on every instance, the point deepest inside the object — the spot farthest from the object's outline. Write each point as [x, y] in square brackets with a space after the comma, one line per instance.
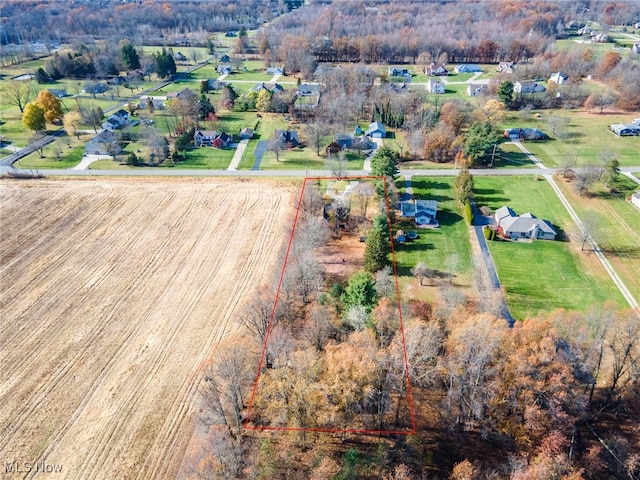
[411, 431]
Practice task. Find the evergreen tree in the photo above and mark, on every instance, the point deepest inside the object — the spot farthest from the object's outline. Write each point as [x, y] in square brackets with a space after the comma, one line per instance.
[360, 292]
[129, 57]
[384, 162]
[479, 143]
[505, 92]
[377, 246]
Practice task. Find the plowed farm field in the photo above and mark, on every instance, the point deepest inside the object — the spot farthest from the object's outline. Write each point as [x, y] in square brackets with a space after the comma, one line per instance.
[113, 295]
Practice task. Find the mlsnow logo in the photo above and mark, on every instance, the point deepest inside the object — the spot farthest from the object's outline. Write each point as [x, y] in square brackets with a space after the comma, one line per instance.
[28, 467]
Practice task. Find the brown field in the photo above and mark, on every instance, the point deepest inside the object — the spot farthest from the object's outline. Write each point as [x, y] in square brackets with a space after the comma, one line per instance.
[113, 294]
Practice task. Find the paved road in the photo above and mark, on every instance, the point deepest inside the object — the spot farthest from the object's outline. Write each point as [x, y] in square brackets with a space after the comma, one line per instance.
[261, 147]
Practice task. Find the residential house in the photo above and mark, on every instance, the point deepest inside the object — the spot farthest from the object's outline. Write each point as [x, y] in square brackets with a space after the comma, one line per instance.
[102, 144]
[287, 138]
[625, 129]
[396, 87]
[475, 89]
[525, 226]
[214, 84]
[344, 140]
[467, 68]
[306, 89]
[158, 102]
[436, 70]
[600, 38]
[246, 134]
[223, 69]
[59, 92]
[180, 94]
[422, 211]
[224, 58]
[179, 57]
[528, 86]
[399, 72]
[524, 134]
[376, 130]
[230, 33]
[636, 48]
[635, 199]
[272, 87]
[435, 86]
[95, 88]
[275, 71]
[211, 138]
[559, 78]
[116, 121]
[505, 67]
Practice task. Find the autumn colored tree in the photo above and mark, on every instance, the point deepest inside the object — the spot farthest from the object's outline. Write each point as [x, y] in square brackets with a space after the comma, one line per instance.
[33, 117]
[50, 105]
[452, 114]
[609, 61]
[440, 144]
[71, 122]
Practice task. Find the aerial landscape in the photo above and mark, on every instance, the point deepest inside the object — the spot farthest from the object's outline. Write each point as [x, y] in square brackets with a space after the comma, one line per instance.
[320, 239]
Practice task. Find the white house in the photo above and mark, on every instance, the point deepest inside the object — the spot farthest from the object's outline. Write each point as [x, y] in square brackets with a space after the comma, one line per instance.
[467, 68]
[435, 86]
[422, 211]
[559, 78]
[525, 226]
[635, 199]
[528, 86]
[475, 89]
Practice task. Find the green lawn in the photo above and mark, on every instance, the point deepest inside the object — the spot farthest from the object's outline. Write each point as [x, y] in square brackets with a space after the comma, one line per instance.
[69, 157]
[510, 156]
[205, 157]
[587, 138]
[618, 227]
[443, 247]
[542, 276]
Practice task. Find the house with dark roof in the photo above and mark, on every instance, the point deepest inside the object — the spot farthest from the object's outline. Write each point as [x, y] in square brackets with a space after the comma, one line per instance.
[376, 130]
[246, 133]
[271, 87]
[344, 140]
[211, 138]
[399, 72]
[59, 92]
[522, 227]
[224, 58]
[524, 134]
[287, 138]
[180, 94]
[306, 89]
[116, 121]
[625, 129]
[436, 70]
[223, 69]
[422, 211]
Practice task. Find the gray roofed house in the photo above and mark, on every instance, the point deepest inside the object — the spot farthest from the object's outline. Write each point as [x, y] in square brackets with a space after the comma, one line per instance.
[246, 133]
[376, 130]
[275, 71]
[559, 78]
[305, 89]
[625, 129]
[399, 72]
[525, 226]
[422, 211]
[525, 134]
[437, 70]
[475, 89]
[272, 87]
[467, 68]
[59, 92]
[223, 69]
[505, 67]
[528, 86]
[288, 138]
[434, 85]
[102, 144]
[345, 140]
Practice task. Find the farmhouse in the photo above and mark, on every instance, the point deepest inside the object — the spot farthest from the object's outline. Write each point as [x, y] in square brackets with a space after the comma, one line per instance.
[525, 226]
[435, 86]
[475, 89]
[102, 144]
[635, 199]
[118, 120]
[376, 130]
[467, 68]
[422, 211]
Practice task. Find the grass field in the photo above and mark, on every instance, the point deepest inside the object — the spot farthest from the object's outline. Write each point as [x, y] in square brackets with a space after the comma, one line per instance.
[543, 276]
[440, 248]
[587, 138]
[618, 228]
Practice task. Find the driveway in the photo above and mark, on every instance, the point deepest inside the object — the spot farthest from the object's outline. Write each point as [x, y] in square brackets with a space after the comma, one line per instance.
[259, 153]
[237, 156]
[88, 159]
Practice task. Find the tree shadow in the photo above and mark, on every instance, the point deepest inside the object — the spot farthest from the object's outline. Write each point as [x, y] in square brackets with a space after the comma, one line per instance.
[447, 218]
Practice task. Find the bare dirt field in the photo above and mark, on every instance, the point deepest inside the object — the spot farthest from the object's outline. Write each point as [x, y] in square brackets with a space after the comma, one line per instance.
[113, 294]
